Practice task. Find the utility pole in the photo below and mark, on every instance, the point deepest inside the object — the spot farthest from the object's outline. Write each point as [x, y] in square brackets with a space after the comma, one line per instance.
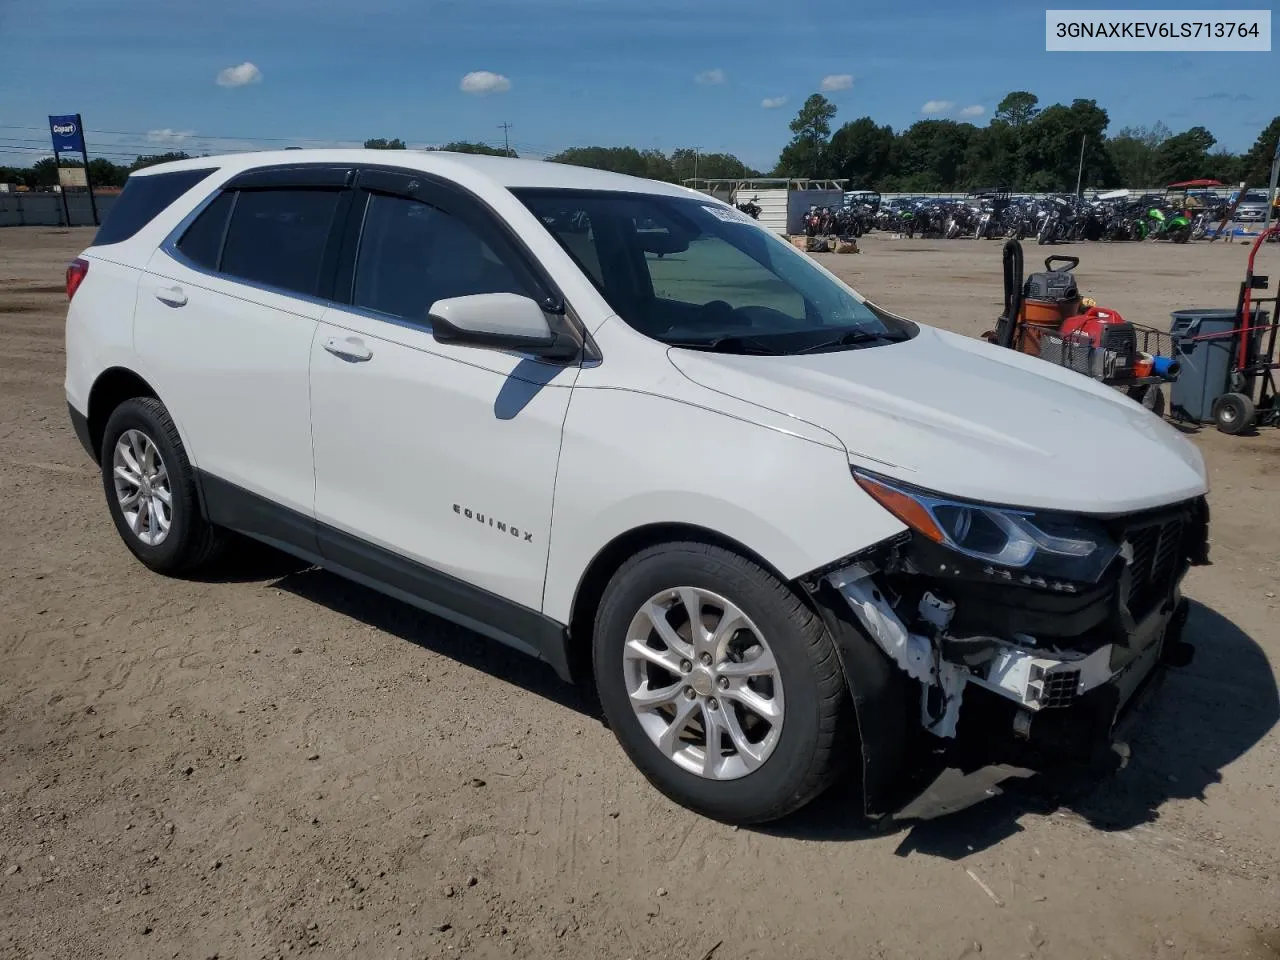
[506, 142]
[1080, 169]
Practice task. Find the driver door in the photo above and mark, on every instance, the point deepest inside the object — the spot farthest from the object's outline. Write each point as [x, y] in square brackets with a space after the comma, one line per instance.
[435, 464]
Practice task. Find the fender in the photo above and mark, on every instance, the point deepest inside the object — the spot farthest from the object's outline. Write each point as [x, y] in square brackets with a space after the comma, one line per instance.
[884, 703]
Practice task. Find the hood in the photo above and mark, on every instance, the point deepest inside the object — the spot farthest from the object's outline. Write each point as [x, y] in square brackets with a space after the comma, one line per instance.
[966, 418]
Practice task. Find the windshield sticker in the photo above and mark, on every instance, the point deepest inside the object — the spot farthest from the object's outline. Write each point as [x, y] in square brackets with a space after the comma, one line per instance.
[728, 214]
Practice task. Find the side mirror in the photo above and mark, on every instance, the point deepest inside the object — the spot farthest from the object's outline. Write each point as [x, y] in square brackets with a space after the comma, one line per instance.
[498, 321]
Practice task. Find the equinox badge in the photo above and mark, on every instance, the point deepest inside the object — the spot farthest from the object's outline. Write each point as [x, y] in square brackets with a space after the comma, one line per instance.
[490, 521]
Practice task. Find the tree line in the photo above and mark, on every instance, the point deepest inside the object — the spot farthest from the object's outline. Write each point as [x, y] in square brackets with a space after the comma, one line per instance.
[1024, 147]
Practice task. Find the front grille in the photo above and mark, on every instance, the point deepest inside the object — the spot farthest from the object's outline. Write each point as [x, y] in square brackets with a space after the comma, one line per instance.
[1060, 688]
[1155, 562]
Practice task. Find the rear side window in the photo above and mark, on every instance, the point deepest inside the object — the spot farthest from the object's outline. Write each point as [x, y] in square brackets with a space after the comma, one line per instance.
[202, 243]
[278, 237]
[142, 200]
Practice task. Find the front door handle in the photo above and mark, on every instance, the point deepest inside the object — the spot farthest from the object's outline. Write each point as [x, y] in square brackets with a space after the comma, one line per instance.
[173, 296]
[351, 349]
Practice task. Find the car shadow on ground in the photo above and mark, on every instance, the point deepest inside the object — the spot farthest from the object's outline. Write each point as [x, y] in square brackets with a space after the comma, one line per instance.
[1186, 729]
[437, 635]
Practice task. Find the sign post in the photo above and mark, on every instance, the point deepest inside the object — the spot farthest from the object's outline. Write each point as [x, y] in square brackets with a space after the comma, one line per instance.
[67, 132]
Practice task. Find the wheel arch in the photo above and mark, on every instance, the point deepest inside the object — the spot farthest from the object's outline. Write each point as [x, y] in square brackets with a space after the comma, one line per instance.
[112, 387]
[607, 561]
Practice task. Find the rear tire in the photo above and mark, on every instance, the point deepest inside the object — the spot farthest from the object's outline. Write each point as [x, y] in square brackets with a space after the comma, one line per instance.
[765, 773]
[171, 539]
[1233, 413]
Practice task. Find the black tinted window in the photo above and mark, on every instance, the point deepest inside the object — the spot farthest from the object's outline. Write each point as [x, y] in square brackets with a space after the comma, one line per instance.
[412, 255]
[277, 237]
[203, 240]
[142, 198]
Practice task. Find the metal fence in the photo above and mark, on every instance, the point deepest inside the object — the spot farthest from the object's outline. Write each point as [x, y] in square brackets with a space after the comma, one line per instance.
[45, 209]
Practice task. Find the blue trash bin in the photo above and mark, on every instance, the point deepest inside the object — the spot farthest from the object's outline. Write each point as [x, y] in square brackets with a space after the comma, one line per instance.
[1206, 363]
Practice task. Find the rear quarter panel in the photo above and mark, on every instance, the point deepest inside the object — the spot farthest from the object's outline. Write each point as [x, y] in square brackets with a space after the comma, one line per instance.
[99, 329]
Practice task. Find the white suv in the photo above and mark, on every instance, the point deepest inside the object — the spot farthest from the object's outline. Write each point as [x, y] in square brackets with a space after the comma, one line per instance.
[620, 426]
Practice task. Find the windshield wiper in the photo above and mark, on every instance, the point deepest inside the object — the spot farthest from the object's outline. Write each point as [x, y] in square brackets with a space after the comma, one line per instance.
[744, 345]
[853, 338]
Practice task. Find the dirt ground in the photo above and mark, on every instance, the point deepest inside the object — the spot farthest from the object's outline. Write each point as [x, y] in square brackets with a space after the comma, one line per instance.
[283, 764]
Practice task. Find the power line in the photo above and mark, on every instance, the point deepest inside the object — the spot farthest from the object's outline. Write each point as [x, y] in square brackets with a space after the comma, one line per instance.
[506, 142]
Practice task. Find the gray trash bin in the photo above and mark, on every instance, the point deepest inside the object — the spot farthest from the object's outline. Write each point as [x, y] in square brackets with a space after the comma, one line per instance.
[1206, 364]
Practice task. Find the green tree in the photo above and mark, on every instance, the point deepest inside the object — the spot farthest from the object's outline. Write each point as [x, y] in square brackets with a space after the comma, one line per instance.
[652, 164]
[929, 154]
[467, 146]
[1184, 156]
[805, 155]
[687, 162]
[382, 143]
[991, 160]
[151, 160]
[1133, 152]
[1255, 166]
[1050, 148]
[104, 173]
[1017, 109]
[45, 172]
[861, 152]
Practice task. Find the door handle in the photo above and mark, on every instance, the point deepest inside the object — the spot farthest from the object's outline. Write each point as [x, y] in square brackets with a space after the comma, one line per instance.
[351, 349]
[173, 296]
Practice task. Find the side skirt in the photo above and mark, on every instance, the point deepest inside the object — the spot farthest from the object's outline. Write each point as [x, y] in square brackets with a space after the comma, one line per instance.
[378, 568]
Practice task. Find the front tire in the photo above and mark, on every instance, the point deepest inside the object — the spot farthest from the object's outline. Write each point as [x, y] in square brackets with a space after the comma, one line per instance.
[756, 669]
[151, 490]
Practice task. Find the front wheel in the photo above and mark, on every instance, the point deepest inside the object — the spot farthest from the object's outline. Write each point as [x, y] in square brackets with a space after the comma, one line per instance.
[720, 684]
[151, 490]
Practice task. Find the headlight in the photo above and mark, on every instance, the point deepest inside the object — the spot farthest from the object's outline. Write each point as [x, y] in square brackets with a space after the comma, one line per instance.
[1051, 545]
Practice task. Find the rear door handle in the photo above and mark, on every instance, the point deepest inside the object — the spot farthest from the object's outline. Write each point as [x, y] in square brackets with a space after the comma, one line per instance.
[173, 296]
[352, 349]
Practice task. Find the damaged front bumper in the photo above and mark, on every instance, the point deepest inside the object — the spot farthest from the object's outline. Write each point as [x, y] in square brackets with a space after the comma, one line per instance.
[1046, 651]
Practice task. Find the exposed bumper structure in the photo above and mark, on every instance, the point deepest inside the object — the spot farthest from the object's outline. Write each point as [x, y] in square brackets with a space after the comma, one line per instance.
[1041, 649]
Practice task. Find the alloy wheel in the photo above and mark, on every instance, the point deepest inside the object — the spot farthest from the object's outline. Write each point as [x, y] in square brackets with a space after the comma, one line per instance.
[703, 683]
[142, 487]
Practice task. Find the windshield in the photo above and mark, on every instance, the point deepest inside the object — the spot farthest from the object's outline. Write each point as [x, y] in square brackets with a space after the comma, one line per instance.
[696, 274]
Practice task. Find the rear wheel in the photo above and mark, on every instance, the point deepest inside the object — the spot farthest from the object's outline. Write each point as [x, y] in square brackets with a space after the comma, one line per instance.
[721, 685]
[151, 490]
[1233, 413]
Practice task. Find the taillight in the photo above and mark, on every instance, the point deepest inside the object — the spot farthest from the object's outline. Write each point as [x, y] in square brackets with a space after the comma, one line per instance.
[77, 270]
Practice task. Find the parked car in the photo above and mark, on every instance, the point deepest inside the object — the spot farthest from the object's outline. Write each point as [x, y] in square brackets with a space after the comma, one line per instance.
[1253, 207]
[777, 526]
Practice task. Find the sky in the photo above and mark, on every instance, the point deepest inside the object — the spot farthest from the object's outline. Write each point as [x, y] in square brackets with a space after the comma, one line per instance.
[155, 75]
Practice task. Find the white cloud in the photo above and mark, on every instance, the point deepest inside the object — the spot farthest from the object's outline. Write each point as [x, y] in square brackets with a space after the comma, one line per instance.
[772, 103]
[168, 137]
[239, 75]
[936, 106]
[837, 81]
[710, 78]
[976, 110]
[484, 82]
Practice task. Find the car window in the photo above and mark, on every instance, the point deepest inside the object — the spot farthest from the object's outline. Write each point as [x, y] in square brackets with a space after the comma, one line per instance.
[202, 242]
[696, 274]
[142, 199]
[412, 254]
[277, 237]
[714, 270]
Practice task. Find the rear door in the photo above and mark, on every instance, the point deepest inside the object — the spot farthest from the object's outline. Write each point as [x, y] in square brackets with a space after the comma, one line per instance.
[227, 310]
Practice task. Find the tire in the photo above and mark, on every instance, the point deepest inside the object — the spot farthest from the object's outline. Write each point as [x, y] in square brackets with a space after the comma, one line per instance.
[190, 542]
[807, 751]
[1233, 413]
